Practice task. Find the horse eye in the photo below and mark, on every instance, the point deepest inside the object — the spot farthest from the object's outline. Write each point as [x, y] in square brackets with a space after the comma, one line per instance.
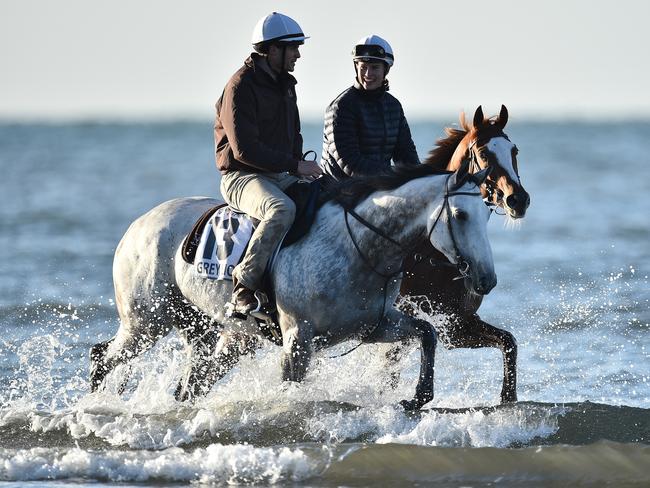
[515, 150]
[460, 215]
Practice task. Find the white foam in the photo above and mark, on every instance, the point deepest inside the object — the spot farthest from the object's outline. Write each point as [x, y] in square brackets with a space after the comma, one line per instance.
[473, 429]
[216, 464]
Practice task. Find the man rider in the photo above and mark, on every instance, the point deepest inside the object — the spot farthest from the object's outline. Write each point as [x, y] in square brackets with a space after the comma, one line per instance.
[259, 148]
[365, 128]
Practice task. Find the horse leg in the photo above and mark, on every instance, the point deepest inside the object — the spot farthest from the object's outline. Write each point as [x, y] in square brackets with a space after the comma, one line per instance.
[198, 377]
[213, 356]
[410, 306]
[393, 355]
[296, 349]
[202, 336]
[397, 326]
[424, 388]
[475, 333]
[128, 343]
[98, 367]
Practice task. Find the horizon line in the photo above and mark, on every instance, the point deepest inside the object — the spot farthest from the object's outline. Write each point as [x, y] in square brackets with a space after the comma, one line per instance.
[449, 117]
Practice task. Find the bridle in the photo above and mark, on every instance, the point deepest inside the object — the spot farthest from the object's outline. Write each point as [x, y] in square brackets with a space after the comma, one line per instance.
[462, 265]
[494, 197]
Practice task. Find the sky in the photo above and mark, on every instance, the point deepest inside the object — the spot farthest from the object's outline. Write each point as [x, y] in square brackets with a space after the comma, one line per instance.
[161, 59]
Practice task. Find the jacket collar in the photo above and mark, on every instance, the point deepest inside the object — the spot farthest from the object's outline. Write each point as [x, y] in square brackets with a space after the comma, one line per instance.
[375, 94]
[263, 72]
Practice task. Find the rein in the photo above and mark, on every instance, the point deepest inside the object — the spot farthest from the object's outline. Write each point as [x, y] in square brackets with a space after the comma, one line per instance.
[364, 222]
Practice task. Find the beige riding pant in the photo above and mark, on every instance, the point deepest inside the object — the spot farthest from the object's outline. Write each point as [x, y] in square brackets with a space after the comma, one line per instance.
[260, 195]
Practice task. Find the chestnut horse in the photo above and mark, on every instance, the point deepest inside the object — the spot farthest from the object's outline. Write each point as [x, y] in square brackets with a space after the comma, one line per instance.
[432, 286]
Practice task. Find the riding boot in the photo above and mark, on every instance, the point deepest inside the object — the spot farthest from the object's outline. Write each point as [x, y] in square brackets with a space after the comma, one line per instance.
[247, 302]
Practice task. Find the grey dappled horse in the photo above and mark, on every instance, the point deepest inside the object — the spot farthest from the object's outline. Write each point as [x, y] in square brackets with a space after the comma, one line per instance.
[335, 284]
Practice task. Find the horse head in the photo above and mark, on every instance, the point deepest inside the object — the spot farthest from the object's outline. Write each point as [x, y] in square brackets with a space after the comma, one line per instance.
[485, 145]
[490, 147]
[458, 229]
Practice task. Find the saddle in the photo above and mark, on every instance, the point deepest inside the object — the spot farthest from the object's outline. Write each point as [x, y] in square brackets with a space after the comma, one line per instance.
[223, 244]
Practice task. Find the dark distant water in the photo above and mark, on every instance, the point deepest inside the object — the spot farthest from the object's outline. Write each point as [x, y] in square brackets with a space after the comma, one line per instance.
[573, 288]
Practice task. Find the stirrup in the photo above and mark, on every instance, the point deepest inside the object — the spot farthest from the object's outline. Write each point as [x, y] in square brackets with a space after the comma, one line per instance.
[262, 311]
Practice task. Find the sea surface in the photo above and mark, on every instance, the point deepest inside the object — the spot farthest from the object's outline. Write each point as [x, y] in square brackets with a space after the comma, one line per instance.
[573, 289]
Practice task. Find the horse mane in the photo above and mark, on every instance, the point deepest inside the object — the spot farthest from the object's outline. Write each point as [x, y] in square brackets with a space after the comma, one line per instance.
[444, 149]
[350, 191]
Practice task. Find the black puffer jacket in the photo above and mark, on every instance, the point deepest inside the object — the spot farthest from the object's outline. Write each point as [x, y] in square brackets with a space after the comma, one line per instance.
[364, 131]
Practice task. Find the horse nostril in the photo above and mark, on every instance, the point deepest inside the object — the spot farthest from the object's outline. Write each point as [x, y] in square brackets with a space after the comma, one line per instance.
[489, 284]
[511, 200]
[518, 200]
[485, 285]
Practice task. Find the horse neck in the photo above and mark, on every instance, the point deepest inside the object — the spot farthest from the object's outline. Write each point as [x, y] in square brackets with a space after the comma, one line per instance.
[402, 213]
[459, 154]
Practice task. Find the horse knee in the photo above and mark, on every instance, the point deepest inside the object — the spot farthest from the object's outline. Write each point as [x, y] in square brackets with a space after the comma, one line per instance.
[427, 335]
[508, 343]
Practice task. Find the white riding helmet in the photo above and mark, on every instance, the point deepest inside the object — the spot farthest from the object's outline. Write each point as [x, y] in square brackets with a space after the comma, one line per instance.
[277, 27]
[373, 47]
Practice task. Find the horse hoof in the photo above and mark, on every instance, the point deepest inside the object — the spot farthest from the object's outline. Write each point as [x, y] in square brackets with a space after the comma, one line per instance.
[410, 405]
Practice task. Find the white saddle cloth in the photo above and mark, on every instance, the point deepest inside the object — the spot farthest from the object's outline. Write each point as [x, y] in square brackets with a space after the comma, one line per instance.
[222, 245]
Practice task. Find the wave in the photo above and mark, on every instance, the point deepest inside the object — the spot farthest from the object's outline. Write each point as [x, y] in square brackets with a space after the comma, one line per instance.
[348, 464]
[580, 423]
[519, 425]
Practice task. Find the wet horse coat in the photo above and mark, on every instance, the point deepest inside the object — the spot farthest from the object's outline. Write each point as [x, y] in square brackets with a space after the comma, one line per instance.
[325, 291]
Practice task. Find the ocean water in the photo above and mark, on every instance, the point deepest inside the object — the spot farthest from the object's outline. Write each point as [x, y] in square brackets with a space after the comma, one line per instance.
[573, 289]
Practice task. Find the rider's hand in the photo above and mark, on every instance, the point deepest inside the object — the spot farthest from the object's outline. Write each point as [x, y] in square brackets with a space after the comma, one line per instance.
[308, 170]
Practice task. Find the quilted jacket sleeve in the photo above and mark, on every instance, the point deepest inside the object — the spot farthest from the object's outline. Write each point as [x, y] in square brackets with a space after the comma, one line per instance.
[405, 152]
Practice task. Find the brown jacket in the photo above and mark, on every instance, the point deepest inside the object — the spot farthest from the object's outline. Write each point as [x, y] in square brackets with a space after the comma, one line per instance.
[257, 127]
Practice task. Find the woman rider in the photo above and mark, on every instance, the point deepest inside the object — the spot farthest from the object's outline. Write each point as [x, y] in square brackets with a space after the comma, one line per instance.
[365, 128]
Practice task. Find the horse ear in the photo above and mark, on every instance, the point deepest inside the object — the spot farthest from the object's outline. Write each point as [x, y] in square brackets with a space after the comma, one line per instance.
[461, 175]
[503, 117]
[478, 117]
[480, 177]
